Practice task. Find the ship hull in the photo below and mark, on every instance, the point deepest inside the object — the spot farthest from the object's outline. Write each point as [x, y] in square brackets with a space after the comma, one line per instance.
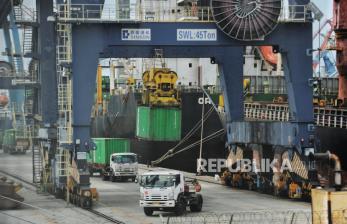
[119, 122]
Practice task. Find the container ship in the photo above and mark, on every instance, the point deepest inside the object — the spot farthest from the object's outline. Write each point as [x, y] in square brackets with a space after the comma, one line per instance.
[161, 117]
[121, 111]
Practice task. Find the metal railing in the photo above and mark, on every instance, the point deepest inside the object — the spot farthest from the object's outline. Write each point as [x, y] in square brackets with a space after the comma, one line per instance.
[25, 14]
[325, 117]
[295, 13]
[64, 50]
[274, 84]
[22, 78]
[264, 217]
[269, 112]
[147, 13]
[65, 134]
[331, 117]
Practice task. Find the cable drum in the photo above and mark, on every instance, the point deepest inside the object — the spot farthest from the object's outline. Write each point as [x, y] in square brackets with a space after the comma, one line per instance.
[246, 19]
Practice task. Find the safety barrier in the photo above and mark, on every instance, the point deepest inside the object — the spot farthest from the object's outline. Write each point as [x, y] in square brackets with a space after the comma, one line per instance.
[157, 12]
[326, 117]
[264, 217]
[331, 117]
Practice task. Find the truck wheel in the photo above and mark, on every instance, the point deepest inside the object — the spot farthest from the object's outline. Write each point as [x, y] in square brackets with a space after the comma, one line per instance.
[180, 207]
[198, 206]
[148, 211]
[105, 178]
[85, 202]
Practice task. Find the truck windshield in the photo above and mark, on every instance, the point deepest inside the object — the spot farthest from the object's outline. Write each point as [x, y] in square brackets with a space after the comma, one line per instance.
[157, 180]
[124, 159]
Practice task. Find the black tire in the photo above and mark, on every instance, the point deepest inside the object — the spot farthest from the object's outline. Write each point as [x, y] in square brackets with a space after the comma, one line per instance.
[180, 208]
[198, 206]
[85, 202]
[58, 193]
[105, 178]
[148, 211]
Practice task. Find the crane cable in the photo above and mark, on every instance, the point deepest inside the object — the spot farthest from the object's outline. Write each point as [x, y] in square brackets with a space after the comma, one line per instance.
[186, 137]
[205, 139]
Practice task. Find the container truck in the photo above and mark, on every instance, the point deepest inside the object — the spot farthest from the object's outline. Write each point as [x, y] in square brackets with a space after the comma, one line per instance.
[169, 191]
[112, 159]
[122, 166]
[14, 144]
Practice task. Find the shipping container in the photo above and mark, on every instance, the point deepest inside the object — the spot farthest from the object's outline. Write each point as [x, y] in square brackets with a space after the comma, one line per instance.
[9, 140]
[105, 147]
[158, 123]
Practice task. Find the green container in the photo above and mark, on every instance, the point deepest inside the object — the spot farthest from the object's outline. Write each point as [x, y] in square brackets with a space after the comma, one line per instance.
[105, 147]
[158, 123]
[1, 137]
[9, 138]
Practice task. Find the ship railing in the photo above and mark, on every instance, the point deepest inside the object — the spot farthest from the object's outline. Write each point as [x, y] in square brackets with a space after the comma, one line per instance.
[331, 117]
[273, 84]
[196, 88]
[143, 12]
[325, 117]
[269, 112]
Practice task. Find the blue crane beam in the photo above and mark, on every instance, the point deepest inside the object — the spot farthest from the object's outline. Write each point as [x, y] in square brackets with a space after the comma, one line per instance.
[108, 40]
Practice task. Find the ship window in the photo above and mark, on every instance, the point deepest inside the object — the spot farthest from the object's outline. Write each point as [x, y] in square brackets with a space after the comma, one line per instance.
[165, 86]
[190, 65]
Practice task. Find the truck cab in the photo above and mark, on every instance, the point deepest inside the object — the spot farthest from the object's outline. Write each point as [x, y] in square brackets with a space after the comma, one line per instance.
[122, 166]
[169, 191]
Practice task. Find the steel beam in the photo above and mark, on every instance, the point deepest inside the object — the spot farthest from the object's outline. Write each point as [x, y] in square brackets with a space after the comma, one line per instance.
[105, 40]
[47, 67]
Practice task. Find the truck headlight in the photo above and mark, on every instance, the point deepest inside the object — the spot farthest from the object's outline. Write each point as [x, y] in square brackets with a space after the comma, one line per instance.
[86, 194]
[118, 169]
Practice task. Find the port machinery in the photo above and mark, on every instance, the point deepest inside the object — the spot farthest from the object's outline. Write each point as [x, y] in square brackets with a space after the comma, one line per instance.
[225, 46]
[220, 36]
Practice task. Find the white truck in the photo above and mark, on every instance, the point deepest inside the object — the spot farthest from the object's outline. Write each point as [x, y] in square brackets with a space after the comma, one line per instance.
[169, 191]
[122, 166]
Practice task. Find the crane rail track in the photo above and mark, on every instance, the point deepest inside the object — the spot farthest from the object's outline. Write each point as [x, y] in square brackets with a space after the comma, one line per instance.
[104, 216]
[97, 213]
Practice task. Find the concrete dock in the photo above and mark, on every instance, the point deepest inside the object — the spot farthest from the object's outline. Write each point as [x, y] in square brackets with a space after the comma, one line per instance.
[120, 200]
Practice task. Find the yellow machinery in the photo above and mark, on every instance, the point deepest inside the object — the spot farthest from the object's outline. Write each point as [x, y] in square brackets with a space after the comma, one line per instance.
[329, 206]
[99, 85]
[160, 87]
[130, 81]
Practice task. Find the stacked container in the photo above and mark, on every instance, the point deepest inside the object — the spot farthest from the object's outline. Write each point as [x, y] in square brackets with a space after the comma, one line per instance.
[158, 123]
